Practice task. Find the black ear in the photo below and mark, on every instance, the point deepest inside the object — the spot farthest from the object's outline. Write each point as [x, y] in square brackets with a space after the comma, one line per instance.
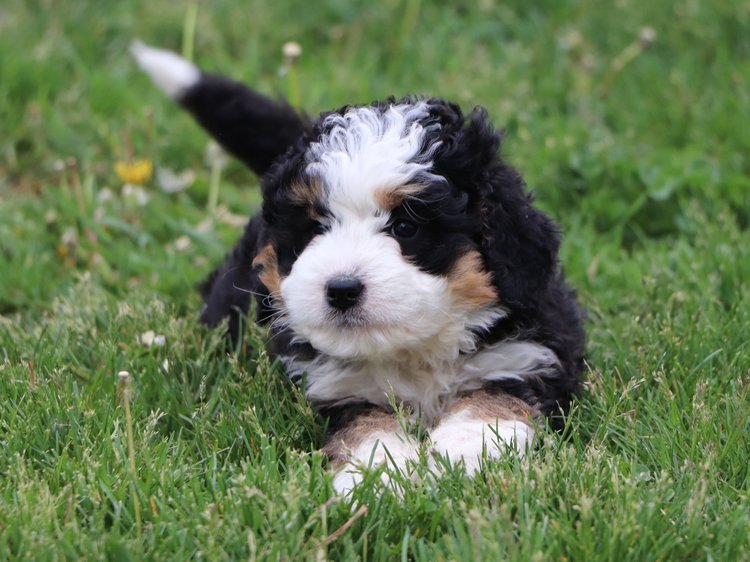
[519, 243]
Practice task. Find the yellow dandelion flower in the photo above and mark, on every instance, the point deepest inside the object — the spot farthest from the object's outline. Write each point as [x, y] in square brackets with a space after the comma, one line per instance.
[135, 172]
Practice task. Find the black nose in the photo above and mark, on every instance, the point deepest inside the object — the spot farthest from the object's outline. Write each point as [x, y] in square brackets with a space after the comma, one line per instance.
[343, 292]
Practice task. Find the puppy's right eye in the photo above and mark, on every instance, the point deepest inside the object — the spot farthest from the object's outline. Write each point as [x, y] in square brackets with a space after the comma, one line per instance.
[319, 228]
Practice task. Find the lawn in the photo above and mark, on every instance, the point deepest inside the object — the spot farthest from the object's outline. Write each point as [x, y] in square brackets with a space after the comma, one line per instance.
[629, 120]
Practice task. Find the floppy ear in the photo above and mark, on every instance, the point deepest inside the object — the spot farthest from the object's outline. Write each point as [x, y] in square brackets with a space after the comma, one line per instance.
[519, 244]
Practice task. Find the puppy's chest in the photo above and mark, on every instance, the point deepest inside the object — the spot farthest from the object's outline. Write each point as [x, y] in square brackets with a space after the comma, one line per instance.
[427, 387]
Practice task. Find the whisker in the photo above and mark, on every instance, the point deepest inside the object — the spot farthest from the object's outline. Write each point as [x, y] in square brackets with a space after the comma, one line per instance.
[230, 270]
[267, 299]
[248, 291]
[436, 307]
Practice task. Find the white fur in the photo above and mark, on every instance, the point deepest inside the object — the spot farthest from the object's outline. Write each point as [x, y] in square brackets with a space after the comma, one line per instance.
[427, 379]
[464, 438]
[365, 151]
[510, 360]
[380, 447]
[171, 73]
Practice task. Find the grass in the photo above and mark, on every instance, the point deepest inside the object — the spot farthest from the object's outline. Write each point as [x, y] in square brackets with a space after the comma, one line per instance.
[642, 155]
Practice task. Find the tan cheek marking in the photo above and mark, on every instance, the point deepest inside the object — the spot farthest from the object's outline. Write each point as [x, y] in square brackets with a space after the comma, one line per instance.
[339, 444]
[269, 269]
[388, 198]
[470, 284]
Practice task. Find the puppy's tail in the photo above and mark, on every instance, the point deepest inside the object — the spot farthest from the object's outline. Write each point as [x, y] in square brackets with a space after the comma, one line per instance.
[252, 127]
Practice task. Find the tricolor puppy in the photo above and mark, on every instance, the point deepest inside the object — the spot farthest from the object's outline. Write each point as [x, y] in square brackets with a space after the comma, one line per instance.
[398, 260]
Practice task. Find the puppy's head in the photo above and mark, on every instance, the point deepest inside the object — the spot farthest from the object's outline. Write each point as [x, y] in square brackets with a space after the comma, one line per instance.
[396, 227]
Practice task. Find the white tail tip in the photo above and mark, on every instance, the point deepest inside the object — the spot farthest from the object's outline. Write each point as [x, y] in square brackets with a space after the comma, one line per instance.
[171, 73]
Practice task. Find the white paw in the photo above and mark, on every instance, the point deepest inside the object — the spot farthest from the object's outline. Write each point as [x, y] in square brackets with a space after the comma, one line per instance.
[380, 448]
[347, 477]
[462, 438]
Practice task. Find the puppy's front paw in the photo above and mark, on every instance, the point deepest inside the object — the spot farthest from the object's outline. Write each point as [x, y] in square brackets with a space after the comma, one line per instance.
[346, 478]
[464, 439]
[391, 450]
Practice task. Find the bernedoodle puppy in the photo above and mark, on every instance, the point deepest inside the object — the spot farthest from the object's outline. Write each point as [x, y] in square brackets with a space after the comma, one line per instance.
[399, 262]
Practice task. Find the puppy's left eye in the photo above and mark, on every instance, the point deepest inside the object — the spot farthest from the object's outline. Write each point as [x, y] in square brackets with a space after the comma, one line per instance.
[404, 229]
[319, 228]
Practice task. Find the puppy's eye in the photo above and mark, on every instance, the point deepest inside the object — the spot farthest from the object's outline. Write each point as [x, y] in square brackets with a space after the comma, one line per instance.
[404, 229]
[319, 228]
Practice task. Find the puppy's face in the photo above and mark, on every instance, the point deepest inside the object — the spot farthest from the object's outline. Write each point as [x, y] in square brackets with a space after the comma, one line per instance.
[372, 247]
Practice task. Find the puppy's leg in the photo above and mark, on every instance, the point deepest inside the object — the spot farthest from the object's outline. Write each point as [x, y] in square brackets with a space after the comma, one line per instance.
[252, 127]
[228, 290]
[484, 422]
[360, 436]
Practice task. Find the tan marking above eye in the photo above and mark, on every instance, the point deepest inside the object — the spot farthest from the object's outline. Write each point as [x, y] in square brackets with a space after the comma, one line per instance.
[388, 198]
[470, 284]
[307, 194]
[266, 260]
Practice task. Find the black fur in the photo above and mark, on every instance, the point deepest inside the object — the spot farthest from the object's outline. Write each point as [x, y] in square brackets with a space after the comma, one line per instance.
[228, 290]
[251, 127]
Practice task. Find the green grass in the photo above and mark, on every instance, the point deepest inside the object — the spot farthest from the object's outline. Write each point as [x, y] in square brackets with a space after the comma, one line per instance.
[647, 168]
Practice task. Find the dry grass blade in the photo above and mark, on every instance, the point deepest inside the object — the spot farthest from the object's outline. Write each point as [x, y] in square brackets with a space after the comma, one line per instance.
[347, 524]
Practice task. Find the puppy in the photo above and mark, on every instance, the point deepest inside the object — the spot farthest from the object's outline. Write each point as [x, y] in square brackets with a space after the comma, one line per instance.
[399, 262]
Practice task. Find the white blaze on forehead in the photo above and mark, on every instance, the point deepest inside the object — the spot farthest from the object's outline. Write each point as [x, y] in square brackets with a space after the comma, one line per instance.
[368, 149]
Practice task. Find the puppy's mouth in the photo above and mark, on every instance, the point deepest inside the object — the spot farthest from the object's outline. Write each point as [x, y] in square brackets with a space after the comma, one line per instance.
[348, 320]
